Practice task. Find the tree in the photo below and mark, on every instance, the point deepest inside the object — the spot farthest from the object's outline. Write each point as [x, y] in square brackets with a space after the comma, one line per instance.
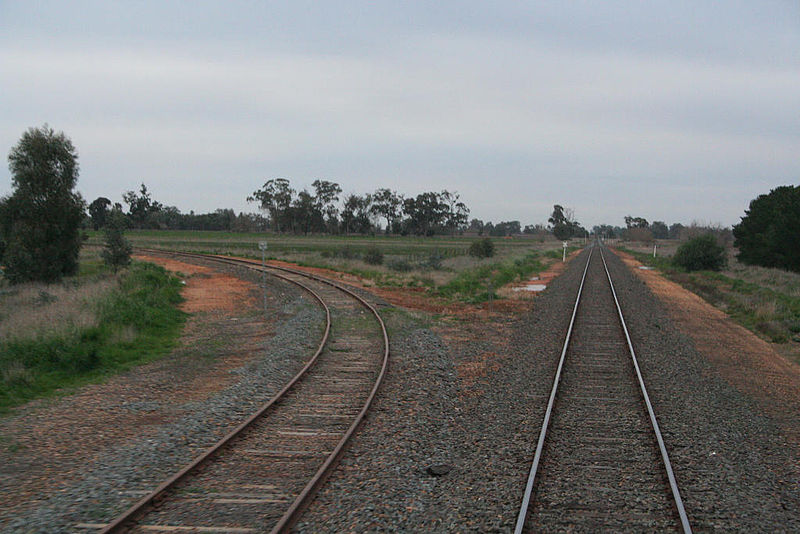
[606, 231]
[387, 204]
[325, 198]
[425, 213]
[98, 211]
[562, 223]
[456, 213]
[675, 230]
[140, 206]
[476, 225]
[355, 214]
[482, 248]
[659, 229]
[40, 220]
[769, 233]
[635, 222]
[117, 250]
[305, 213]
[275, 197]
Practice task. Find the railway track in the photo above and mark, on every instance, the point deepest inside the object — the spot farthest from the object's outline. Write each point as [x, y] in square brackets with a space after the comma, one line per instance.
[600, 461]
[260, 477]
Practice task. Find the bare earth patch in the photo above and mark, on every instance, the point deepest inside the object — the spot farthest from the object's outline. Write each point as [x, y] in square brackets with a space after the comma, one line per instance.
[747, 362]
[207, 289]
[417, 298]
[45, 444]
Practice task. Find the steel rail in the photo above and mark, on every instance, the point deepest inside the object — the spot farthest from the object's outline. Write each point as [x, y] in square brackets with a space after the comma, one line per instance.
[291, 515]
[526, 499]
[673, 485]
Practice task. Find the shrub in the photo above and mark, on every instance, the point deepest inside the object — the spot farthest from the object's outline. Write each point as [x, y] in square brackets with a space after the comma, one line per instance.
[401, 265]
[482, 248]
[117, 250]
[701, 253]
[373, 256]
[434, 261]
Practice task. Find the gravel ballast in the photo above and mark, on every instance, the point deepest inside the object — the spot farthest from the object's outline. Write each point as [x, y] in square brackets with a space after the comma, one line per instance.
[105, 486]
[734, 470]
[448, 444]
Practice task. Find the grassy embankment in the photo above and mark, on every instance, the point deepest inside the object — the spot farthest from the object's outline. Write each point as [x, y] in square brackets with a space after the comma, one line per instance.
[763, 300]
[96, 324]
[439, 264]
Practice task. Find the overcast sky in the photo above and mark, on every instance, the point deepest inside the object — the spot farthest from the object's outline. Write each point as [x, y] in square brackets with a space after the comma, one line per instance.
[669, 110]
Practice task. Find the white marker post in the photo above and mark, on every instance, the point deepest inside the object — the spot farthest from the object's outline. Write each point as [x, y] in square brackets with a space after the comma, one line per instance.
[564, 255]
[654, 248]
[263, 246]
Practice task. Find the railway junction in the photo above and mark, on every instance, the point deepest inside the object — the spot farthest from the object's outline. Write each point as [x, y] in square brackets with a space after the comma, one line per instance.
[603, 407]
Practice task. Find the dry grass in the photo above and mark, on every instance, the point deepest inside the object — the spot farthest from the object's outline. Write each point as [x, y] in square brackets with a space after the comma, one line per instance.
[34, 311]
[785, 282]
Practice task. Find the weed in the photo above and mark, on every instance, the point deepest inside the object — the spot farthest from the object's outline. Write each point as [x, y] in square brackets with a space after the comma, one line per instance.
[133, 319]
[473, 285]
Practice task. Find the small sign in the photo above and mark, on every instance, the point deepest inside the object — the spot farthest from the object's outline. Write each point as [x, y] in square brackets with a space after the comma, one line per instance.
[565, 244]
[262, 245]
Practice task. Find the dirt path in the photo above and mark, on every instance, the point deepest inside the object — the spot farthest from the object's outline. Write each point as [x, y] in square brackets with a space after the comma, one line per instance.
[746, 361]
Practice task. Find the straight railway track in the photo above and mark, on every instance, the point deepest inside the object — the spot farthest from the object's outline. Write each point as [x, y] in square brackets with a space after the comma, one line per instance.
[259, 477]
[600, 462]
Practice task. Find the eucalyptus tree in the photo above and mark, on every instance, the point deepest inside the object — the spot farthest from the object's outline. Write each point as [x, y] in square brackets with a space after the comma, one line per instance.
[40, 221]
[388, 204]
[275, 197]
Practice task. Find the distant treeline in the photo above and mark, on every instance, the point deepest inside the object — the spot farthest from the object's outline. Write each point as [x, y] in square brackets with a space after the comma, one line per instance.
[324, 210]
[285, 210]
[145, 213]
[639, 229]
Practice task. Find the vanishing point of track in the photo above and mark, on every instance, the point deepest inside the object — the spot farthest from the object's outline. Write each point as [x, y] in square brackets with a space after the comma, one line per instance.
[261, 475]
[600, 463]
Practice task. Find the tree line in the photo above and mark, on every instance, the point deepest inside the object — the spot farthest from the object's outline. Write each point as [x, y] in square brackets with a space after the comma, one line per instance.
[41, 220]
[323, 210]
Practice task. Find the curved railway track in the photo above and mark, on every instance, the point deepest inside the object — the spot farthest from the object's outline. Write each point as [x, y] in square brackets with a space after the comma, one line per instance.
[259, 477]
[600, 463]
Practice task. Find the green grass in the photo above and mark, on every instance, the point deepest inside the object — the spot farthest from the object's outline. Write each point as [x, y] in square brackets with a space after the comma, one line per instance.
[473, 285]
[409, 261]
[138, 321]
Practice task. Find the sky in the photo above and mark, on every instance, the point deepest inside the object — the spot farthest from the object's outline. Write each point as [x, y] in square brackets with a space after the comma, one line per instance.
[673, 111]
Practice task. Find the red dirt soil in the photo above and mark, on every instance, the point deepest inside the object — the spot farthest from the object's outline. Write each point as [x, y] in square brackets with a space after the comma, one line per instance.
[206, 289]
[746, 361]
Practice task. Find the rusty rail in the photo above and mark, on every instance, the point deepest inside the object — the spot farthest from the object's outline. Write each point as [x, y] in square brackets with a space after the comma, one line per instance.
[291, 515]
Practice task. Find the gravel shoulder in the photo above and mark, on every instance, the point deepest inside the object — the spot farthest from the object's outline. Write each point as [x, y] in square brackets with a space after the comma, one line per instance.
[726, 402]
[470, 393]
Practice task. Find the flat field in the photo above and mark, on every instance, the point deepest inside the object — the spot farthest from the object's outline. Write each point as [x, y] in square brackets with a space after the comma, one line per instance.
[406, 261]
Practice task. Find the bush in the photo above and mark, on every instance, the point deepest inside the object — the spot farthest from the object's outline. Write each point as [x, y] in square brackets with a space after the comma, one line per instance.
[434, 261]
[400, 265]
[117, 250]
[482, 248]
[373, 256]
[701, 253]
